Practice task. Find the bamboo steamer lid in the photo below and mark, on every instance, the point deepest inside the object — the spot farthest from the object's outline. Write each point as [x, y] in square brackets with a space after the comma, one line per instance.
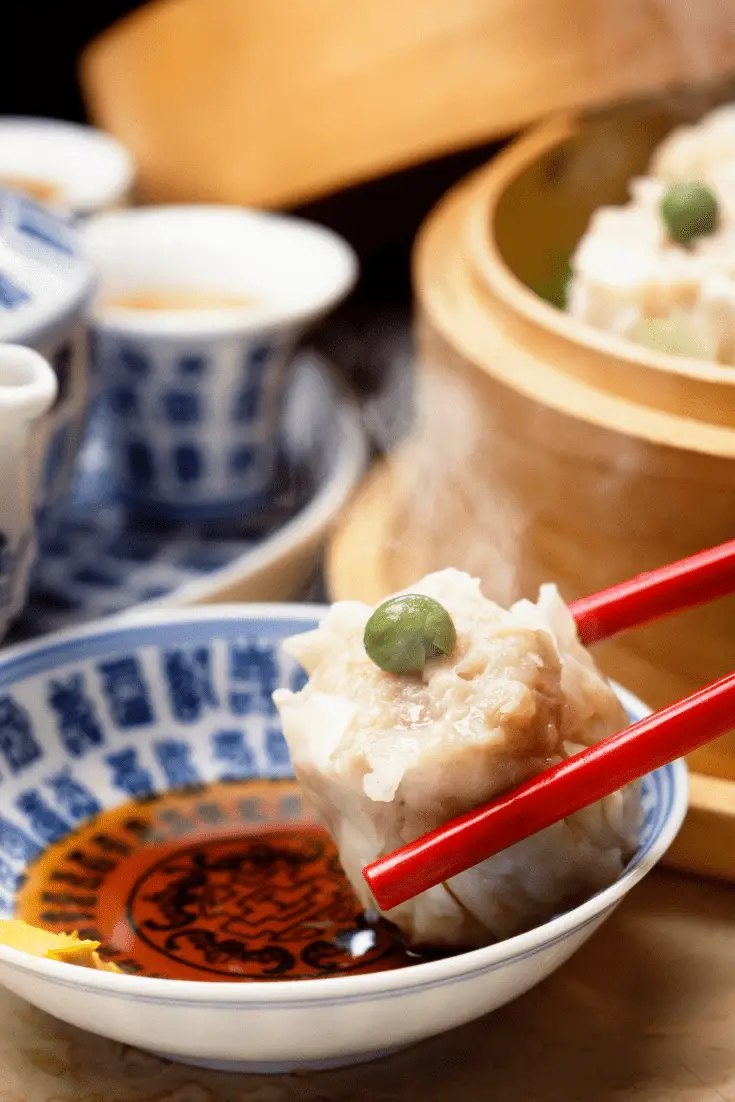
[544, 450]
[272, 103]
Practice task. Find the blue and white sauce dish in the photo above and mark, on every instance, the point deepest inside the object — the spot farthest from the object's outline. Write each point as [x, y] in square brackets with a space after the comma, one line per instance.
[28, 388]
[176, 706]
[196, 391]
[46, 285]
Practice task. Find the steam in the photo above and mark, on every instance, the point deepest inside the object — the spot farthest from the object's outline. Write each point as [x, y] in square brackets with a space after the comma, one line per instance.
[446, 515]
[674, 43]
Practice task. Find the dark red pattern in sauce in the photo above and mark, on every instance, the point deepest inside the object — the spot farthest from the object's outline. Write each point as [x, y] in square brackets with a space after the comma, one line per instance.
[232, 882]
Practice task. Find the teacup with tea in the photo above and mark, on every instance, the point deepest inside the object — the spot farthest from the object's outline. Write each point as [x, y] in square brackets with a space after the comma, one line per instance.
[76, 170]
[197, 316]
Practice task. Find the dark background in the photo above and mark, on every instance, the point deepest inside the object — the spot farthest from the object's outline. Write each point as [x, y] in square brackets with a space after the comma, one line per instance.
[39, 43]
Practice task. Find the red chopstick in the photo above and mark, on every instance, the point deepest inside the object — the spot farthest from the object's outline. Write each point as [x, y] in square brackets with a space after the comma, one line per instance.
[553, 794]
[672, 588]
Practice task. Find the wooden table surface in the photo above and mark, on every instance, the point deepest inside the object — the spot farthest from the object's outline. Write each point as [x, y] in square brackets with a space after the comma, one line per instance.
[645, 1011]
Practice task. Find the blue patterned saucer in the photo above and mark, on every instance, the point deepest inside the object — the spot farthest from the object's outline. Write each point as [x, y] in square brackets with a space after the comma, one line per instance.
[103, 559]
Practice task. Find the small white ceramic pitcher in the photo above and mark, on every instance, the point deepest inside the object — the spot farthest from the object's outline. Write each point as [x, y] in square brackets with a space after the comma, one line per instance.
[28, 388]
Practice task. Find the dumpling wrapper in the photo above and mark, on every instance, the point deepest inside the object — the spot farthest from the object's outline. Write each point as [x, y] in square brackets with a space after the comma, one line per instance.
[384, 759]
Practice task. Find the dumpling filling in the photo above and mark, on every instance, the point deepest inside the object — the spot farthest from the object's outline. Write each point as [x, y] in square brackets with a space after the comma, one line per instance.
[384, 758]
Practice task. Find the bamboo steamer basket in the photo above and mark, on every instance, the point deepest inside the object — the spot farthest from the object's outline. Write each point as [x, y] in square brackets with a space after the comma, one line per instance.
[272, 103]
[544, 449]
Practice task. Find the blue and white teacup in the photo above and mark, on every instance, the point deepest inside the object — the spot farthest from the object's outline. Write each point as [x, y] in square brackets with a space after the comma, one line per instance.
[198, 313]
[46, 285]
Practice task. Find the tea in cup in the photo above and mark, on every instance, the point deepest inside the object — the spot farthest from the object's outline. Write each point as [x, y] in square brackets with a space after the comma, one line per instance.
[197, 316]
[147, 299]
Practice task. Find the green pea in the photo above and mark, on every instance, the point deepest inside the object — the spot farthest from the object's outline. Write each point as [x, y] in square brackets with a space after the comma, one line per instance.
[405, 632]
[689, 211]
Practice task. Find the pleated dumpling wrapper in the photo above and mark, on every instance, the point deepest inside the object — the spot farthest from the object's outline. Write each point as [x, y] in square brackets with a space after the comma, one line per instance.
[383, 758]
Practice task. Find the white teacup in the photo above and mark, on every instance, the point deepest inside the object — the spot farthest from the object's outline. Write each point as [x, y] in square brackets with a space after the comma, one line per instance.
[198, 312]
[27, 390]
[75, 170]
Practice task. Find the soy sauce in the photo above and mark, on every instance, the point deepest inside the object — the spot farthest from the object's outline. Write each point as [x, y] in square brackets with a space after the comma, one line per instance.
[232, 882]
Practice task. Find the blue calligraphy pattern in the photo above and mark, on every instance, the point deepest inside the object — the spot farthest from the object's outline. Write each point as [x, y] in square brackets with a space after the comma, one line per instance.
[17, 743]
[297, 679]
[43, 819]
[291, 807]
[140, 462]
[256, 667]
[8, 878]
[15, 844]
[251, 809]
[181, 407]
[175, 760]
[76, 800]
[192, 364]
[43, 227]
[276, 749]
[231, 748]
[78, 725]
[129, 775]
[133, 361]
[247, 404]
[11, 294]
[257, 361]
[127, 693]
[188, 462]
[240, 702]
[189, 679]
